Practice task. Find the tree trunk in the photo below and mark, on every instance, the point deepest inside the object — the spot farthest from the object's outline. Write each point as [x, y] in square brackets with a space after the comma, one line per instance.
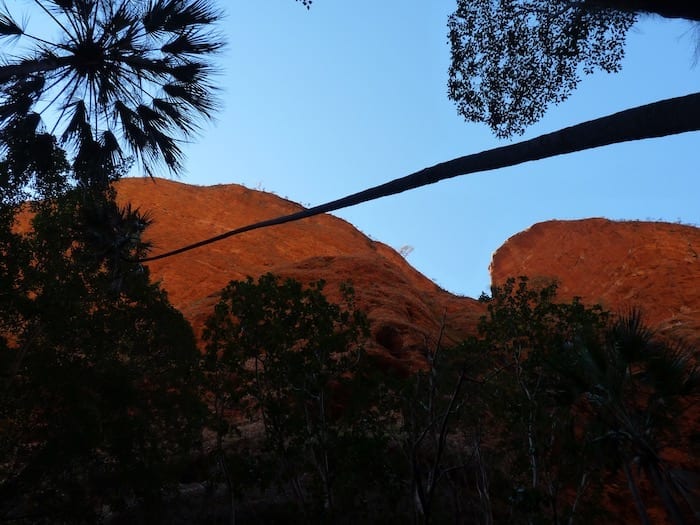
[221, 456]
[658, 119]
[482, 484]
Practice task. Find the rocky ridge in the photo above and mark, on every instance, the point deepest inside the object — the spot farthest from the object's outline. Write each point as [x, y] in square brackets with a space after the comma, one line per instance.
[405, 308]
[650, 265]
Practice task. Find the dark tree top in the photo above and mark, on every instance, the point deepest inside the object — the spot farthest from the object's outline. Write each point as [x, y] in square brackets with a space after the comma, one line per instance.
[120, 78]
[512, 59]
[688, 9]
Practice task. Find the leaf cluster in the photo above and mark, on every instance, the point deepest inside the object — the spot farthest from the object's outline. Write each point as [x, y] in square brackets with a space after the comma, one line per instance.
[582, 394]
[521, 424]
[121, 79]
[512, 59]
[282, 354]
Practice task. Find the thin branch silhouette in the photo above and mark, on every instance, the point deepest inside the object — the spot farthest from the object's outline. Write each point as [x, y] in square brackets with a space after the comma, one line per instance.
[658, 119]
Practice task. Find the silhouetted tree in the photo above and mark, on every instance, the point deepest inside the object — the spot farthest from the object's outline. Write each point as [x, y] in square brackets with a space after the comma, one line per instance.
[122, 77]
[582, 396]
[512, 59]
[437, 408]
[99, 406]
[295, 362]
[638, 385]
[542, 470]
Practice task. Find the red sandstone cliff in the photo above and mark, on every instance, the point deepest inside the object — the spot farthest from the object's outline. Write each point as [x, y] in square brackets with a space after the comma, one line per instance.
[404, 307]
[649, 265]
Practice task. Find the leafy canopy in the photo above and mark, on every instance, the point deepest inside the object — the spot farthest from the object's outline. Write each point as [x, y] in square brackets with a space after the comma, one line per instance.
[512, 59]
[581, 394]
[288, 357]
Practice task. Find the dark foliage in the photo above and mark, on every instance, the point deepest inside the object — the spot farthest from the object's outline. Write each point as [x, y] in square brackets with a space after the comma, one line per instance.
[122, 78]
[582, 396]
[512, 59]
[283, 355]
[100, 405]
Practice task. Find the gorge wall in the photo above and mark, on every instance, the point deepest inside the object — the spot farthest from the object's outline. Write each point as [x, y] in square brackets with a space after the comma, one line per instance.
[648, 265]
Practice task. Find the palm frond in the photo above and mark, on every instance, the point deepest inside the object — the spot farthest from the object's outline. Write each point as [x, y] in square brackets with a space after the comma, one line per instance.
[160, 147]
[178, 15]
[20, 96]
[13, 107]
[191, 43]
[132, 132]
[132, 223]
[672, 370]
[26, 67]
[691, 386]
[166, 147]
[120, 19]
[176, 116]
[8, 27]
[110, 86]
[190, 72]
[64, 5]
[145, 68]
[110, 146]
[85, 10]
[192, 96]
[106, 72]
[78, 129]
[151, 117]
[631, 336]
[30, 86]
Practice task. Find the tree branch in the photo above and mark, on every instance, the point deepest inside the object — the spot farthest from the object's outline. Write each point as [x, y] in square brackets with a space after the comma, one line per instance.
[658, 119]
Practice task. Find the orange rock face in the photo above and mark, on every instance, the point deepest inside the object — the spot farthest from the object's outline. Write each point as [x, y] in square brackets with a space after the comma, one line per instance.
[649, 265]
[652, 266]
[405, 309]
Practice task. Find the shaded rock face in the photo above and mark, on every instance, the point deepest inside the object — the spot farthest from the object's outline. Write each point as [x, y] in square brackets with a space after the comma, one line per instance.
[652, 266]
[405, 309]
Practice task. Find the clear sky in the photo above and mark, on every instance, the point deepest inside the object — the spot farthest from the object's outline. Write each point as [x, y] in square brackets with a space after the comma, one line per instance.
[322, 103]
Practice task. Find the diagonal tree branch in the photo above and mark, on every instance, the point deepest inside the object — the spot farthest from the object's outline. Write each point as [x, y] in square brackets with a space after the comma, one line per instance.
[658, 119]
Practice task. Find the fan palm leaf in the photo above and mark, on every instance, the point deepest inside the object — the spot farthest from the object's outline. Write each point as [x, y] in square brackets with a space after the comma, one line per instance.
[638, 386]
[131, 75]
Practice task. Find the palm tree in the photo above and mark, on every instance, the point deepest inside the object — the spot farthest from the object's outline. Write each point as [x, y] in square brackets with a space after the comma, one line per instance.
[123, 78]
[636, 385]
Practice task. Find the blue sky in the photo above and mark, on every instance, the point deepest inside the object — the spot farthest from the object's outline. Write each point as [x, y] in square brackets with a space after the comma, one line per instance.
[322, 103]
[326, 102]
